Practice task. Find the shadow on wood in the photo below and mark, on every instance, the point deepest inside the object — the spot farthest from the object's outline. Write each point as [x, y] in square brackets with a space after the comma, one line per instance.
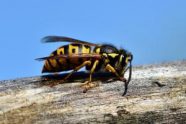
[54, 79]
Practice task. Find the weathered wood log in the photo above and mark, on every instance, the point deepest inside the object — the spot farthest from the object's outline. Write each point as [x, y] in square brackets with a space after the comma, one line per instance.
[156, 94]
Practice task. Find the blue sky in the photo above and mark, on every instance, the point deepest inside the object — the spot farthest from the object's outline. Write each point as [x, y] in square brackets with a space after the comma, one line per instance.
[153, 30]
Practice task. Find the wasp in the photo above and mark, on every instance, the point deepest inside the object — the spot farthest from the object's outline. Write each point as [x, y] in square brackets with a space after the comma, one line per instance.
[95, 57]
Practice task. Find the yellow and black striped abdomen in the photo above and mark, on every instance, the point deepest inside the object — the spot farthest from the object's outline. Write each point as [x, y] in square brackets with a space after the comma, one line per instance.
[65, 64]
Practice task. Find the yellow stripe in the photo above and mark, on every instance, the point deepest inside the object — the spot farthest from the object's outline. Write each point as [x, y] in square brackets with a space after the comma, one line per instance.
[104, 54]
[53, 61]
[120, 59]
[73, 48]
[127, 60]
[60, 51]
[47, 66]
[98, 50]
[113, 55]
[85, 49]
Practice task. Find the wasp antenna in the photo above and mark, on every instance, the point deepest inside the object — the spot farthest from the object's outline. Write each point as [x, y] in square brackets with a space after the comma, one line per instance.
[127, 82]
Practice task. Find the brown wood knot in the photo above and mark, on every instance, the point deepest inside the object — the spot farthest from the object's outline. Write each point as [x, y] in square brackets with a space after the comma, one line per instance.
[158, 83]
[122, 111]
[175, 109]
[108, 117]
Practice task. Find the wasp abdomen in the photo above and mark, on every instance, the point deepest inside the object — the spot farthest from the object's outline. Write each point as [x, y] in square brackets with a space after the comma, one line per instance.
[57, 65]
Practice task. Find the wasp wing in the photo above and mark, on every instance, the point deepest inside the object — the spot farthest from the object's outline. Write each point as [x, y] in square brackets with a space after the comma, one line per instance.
[49, 39]
[94, 56]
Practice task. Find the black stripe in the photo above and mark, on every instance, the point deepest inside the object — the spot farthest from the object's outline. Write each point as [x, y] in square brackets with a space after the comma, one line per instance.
[60, 65]
[87, 46]
[78, 45]
[67, 63]
[44, 69]
[80, 60]
[50, 64]
[66, 49]
[58, 62]
[54, 53]
[123, 61]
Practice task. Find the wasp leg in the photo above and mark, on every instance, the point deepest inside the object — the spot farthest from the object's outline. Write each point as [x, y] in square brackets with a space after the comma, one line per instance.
[111, 69]
[76, 69]
[88, 84]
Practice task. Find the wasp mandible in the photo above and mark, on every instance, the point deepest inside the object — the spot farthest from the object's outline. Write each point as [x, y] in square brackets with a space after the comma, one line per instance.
[94, 57]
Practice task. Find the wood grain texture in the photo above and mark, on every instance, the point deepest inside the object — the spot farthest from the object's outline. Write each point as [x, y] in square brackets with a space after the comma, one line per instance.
[32, 100]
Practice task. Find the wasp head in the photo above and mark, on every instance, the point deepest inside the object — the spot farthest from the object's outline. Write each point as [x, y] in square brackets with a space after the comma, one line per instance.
[125, 58]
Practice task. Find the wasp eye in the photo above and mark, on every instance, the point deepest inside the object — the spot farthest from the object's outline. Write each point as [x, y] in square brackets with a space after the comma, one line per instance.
[131, 57]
